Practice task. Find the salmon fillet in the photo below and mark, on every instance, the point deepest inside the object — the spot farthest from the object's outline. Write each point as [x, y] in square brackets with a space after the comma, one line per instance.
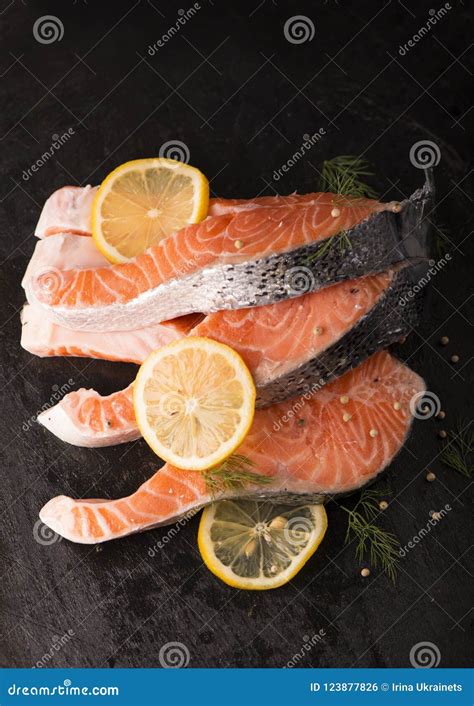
[246, 257]
[289, 347]
[306, 447]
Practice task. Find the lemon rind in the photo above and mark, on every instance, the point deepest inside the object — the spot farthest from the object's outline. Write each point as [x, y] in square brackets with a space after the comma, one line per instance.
[201, 204]
[261, 584]
[247, 410]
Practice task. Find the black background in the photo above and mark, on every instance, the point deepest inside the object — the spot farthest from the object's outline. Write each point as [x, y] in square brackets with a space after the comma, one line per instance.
[241, 97]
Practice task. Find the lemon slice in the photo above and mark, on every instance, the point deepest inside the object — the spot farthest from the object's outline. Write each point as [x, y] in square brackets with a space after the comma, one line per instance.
[194, 402]
[259, 545]
[143, 201]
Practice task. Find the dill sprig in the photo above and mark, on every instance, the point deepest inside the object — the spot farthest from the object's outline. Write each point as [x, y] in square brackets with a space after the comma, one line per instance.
[233, 474]
[457, 453]
[343, 175]
[344, 244]
[381, 546]
[345, 241]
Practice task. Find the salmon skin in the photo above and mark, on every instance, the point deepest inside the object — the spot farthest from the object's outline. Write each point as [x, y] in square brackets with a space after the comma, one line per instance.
[311, 455]
[243, 258]
[43, 337]
[390, 318]
[292, 347]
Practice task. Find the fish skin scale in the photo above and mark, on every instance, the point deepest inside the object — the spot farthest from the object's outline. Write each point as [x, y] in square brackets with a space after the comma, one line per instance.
[305, 477]
[220, 232]
[325, 311]
[384, 323]
[400, 233]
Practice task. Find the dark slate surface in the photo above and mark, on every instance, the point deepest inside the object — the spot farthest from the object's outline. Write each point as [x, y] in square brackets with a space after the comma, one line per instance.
[241, 97]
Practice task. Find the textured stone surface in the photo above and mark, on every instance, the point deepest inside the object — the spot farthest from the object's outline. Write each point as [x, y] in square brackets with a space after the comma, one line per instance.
[242, 116]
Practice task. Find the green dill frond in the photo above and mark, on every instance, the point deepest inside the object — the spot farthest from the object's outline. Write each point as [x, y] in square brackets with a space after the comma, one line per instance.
[327, 245]
[344, 175]
[459, 449]
[369, 500]
[381, 546]
[344, 242]
[233, 474]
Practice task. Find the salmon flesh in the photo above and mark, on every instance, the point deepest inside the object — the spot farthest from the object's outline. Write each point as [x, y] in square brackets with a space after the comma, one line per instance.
[312, 448]
[292, 347]
[254, 253]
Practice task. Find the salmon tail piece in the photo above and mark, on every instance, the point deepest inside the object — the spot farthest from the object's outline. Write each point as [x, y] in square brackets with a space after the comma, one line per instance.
[169, 495]
[85, 418]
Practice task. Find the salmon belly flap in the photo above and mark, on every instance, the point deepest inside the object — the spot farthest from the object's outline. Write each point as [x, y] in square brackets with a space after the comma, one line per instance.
[328, 443]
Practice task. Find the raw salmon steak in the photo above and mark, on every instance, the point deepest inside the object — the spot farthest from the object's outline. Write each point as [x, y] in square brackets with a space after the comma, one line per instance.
[251, 255]
[331, 442]
[292, 347]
